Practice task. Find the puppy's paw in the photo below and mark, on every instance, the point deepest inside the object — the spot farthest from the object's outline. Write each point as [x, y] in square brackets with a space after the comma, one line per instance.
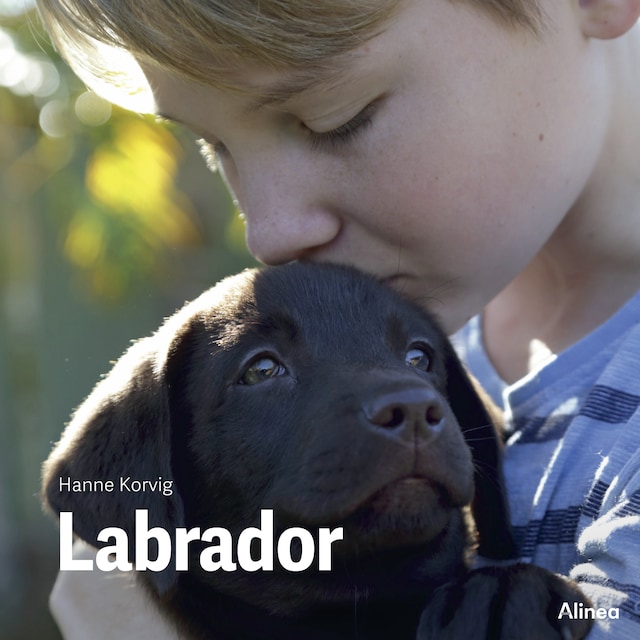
[516, 602]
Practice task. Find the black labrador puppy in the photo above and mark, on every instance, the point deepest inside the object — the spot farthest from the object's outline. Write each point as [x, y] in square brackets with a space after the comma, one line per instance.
[317, 400]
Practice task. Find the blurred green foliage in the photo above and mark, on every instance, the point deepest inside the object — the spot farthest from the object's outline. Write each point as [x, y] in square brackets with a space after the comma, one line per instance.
[108, 221]
[108, 176]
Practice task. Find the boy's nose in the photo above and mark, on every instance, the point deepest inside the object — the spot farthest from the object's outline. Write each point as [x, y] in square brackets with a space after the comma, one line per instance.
[277, 237]
[288, 219]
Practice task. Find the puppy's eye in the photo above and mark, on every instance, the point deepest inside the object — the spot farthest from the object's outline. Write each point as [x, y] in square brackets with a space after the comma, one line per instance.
[262, 369]
[419, 358]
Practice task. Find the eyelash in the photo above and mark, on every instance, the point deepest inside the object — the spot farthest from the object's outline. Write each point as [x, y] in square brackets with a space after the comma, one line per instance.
[340, 136]
[319, 141]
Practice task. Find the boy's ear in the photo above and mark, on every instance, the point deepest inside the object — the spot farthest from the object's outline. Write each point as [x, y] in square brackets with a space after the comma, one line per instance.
[605, 19]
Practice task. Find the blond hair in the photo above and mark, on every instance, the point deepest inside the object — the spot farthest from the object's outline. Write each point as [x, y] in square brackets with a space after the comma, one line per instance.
[204, 40]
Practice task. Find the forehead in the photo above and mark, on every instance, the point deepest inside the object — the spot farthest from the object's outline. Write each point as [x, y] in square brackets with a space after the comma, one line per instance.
[326, 309]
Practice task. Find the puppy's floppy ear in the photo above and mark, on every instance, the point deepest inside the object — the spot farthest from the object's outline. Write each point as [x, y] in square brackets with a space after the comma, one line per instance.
[122, 430]
[480, 424]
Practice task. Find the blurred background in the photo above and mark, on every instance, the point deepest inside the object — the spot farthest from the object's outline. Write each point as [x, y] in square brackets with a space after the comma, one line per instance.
[108, 222]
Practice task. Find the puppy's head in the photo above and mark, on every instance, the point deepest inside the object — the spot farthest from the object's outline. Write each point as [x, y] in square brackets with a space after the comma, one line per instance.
[314, 391]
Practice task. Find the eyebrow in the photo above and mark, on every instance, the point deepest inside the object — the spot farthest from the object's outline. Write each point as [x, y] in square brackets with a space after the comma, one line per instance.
[294, 85]
[281, 91]
[298, 82]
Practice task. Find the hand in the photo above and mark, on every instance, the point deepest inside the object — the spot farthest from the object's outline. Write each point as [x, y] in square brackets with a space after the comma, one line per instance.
[104, 606]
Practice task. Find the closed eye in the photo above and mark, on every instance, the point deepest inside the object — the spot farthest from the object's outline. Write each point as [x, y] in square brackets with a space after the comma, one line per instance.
[335, 138]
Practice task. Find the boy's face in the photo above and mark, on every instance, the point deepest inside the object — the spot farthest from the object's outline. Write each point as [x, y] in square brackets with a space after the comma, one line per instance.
[458, 147]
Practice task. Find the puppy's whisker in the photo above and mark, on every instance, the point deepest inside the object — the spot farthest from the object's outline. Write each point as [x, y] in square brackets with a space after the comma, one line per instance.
[487, 472]
[480, 427]
[485, 439]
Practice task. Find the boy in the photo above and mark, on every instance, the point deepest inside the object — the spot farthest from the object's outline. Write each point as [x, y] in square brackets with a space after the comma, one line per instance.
[481, 156]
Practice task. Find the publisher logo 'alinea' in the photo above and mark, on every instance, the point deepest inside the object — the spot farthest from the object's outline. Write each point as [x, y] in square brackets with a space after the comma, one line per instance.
[124, 484]
[578, 611]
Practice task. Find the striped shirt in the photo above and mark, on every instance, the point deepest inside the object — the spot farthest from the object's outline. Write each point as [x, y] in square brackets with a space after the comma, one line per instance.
[572, 462]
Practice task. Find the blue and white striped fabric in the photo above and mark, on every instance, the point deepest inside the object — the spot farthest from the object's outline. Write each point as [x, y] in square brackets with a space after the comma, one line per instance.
[572, 462]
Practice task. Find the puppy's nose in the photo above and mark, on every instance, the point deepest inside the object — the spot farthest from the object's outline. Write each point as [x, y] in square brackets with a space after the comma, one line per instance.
[412, 411]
